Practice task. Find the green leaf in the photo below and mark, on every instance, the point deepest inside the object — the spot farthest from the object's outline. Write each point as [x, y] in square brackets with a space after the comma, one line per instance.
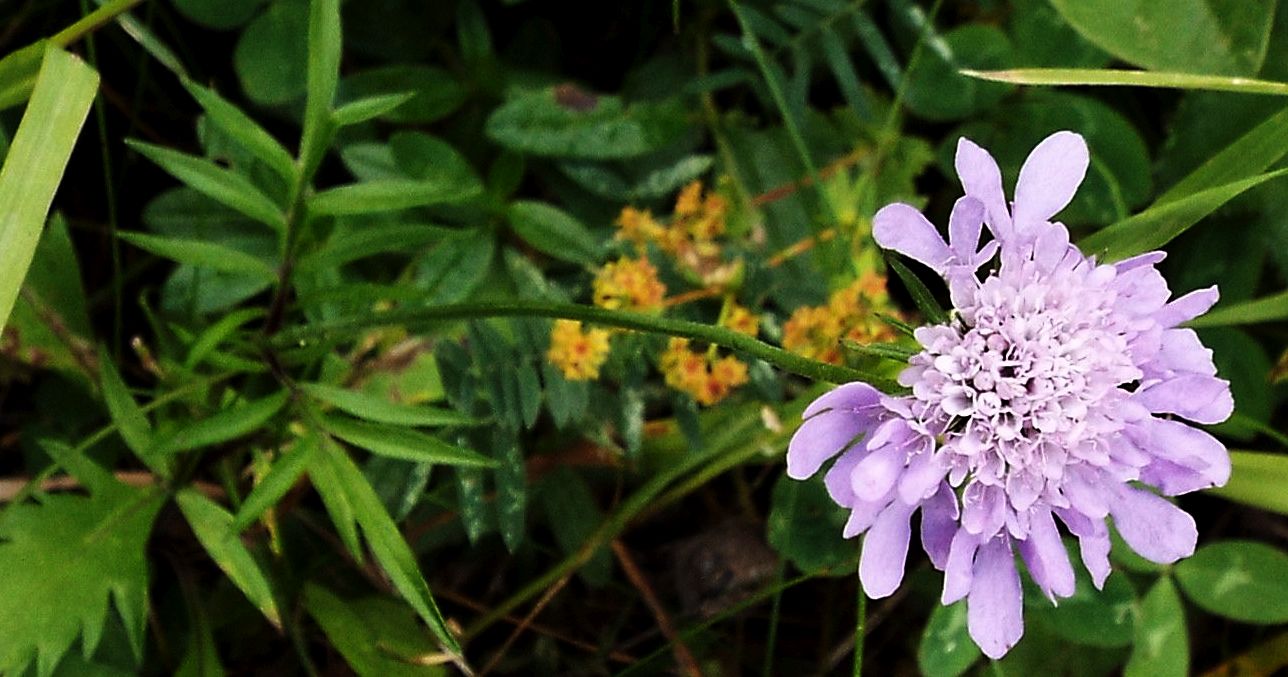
[129, 418]
[1228, 37]
[921, 295]
[511, 489]
[935, 90]
[453, 269]
[244, 131]
[553, 231]
[271, 57]
[228, 424]
[1243, 580]
[472, 503]
[202, 254]
[1127, 78]
[567, 122]
[219, 14]
[345, 246]
[65, 559]
[387, 544]
[1258, 479]
[18, 71]
[946, 649]
[281, 476]
[1162, 645]
[805, 526]
[573, 515]
[381, 410]
[369, 108]
[214, 529]
[1161, 223]
[1099, 618]
[371, 197]
[435, 92]
[34, 166]
[652, 177]
[213, 336]
[1268, 309]
[1247, 156]
[322, 77]
[335, 498]
[378, 637]
[401, 443]
[222, 185]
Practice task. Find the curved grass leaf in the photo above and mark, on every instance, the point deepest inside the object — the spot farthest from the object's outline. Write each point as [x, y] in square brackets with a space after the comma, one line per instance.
[213, 527]
[321, 80]
[34, 166]
[1268, 309]
[1161, 223]
[1257, 479]
[380, 410]
[921, 295]
[129, 418]
[377, 636]
[401, 443]
[226, 425]
[222, 185]
[1130, 78]
[1249, 155]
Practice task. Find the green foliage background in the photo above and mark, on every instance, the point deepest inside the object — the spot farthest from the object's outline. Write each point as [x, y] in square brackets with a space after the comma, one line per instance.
[275, 395]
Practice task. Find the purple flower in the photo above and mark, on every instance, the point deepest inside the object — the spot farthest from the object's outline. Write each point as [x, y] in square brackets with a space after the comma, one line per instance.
[1055, 392]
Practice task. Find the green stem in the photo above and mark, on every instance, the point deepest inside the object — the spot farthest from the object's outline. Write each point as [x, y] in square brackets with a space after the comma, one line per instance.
[859, 631]
[92, 21]
[727, 338]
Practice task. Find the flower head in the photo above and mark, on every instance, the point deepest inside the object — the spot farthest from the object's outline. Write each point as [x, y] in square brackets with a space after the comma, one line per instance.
[628, 284]
[816, 331]
[702, 375]
[576, 352]
[1057, 387]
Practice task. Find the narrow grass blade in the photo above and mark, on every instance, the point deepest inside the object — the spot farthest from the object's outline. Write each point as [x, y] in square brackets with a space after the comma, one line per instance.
[1131, 78]
[60, 102]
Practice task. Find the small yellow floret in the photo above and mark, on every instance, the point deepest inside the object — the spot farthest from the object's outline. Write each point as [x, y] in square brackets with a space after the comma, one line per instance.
[576, 352]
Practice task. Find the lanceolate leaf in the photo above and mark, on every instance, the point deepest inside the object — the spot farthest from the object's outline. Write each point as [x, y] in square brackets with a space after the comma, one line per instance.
[245, 131]
[386, 542]
[401, 443]
[64, 560]
[1129, 78]
[284, 473]
[385, 195]
[34, 165]
[378, 636]
[214, 529]
[1251, 154]
[226, 425]
[380, 410]
[222, 185]
[202, 254]
[129, 418]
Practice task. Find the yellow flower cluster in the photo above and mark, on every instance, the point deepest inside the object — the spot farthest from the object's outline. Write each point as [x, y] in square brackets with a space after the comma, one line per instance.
[576, 352]
[628, 284]
[703, 376]
[816, 331]
[690, 238]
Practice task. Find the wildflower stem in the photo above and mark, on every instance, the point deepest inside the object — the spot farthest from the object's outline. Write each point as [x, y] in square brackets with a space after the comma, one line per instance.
[726, 338]
[860, 630]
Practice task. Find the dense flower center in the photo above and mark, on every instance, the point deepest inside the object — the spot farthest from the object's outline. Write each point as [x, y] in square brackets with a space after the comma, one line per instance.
[1025, 381]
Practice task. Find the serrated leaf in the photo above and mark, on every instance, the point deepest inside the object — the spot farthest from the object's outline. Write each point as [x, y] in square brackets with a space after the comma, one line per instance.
[387, 545]
[285, 471]
[378, 637]
[228, 424]
[946, 648]
[202, 254]
[1243, 580]
[213, 527]
[221, 185]
[1162, 645]
[401, 443]
[553, 231]
[63, 560]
